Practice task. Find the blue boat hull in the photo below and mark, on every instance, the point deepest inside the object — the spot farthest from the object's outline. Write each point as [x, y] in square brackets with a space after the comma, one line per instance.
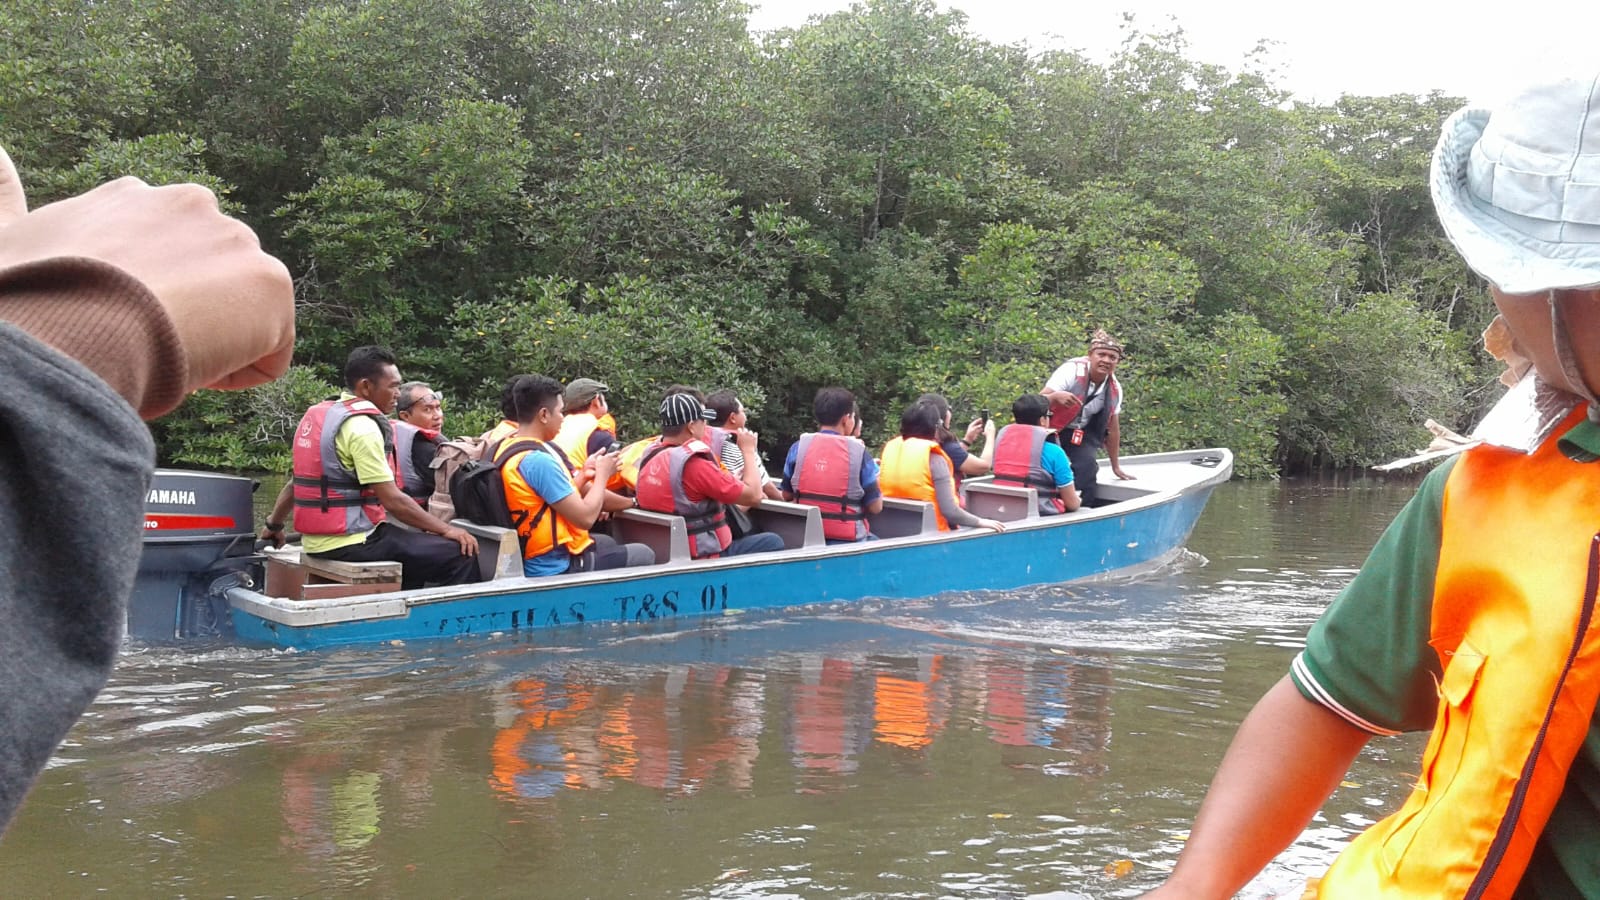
[1108, 540]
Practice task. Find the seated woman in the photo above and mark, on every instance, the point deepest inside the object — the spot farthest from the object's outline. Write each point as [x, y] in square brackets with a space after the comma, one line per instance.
[915, 467]
[967, 464]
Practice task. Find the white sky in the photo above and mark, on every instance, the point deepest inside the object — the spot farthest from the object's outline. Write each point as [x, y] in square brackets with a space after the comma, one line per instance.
[1322, 50]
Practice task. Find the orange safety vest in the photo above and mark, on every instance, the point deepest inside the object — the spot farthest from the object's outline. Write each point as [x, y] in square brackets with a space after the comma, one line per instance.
[1513, 624]
[906, 473]
[542, 529]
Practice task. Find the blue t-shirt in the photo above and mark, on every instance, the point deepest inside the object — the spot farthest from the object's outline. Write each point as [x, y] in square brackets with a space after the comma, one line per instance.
[957, 453]
[1053, 459]
[869, 471]
[549, 479]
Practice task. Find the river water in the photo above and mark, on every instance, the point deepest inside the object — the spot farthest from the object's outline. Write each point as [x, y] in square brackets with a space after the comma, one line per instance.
[1047, 742]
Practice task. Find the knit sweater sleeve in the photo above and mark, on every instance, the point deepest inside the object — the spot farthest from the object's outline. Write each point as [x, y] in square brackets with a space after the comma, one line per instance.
[105, 319]
[75, 463]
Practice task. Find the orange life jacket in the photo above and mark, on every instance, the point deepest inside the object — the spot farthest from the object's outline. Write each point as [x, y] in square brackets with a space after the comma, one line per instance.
[906, 473]
[1513, 624]
[542, 529]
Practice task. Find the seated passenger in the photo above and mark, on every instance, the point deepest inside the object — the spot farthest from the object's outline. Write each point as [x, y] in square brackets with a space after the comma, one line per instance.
[831, 469]
[582, 431]
[627, 478]
[915, 467]
[343, 489]
[730, 417]
[507, 425]
[558, 504]
[680, 476]
[418, 426]
[967, 464]
[1027, 455]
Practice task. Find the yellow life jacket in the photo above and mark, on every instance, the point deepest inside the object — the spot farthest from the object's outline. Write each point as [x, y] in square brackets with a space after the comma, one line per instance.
[573, 438]
[1513, 624]
[542, 529]
[906, 473]
[627, 476]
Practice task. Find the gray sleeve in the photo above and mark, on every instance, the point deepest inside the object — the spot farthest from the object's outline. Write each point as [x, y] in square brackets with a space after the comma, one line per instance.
[75, 463]
[944, 493]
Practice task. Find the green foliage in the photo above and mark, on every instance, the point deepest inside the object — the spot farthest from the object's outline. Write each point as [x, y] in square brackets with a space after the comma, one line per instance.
[645, 193]
[241, 431]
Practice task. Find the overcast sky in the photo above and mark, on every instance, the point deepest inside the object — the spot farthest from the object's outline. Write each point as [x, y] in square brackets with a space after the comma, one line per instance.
[1354, 46]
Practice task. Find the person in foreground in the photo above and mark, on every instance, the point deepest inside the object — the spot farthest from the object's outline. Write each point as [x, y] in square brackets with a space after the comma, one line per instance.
[1475, 614]
[556, 505]
[1027, 455]
[1086, 410]
[344, 486]
[831, 469]
[114, 306]
[681, 476]
[915, 467]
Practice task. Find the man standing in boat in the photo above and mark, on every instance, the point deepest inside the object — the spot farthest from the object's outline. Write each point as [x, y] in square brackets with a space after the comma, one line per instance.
[418, 432]
[1474, 617]
[832, 470]
[344, 488]
[1085, 410]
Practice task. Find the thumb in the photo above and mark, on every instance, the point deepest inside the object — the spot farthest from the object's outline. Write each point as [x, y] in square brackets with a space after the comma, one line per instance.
[13, 201]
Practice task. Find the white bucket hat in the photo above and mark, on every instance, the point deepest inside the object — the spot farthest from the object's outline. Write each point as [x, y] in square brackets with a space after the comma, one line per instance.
[1518, 191]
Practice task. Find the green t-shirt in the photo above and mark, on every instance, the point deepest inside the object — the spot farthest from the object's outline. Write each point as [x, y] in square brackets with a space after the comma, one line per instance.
[359, 444]
[1368, 660]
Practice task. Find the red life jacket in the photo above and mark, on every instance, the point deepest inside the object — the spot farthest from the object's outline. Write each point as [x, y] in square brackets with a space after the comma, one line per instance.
[328, 498]
[417, 485]
[1095, 428]
[1018, 452]
[827, 475]
[661, 490]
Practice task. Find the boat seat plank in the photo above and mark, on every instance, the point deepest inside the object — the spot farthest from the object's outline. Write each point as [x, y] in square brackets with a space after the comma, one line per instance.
[499, 552]
[1003, 502]
[350, 572]
[902, 518]
[799, 525]
[665, 534]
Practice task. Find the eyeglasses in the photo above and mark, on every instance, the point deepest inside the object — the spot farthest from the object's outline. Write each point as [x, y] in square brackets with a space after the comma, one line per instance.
[429, 397]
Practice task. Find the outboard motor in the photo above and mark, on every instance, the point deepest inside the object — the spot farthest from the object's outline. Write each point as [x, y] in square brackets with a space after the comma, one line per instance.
[198, 542]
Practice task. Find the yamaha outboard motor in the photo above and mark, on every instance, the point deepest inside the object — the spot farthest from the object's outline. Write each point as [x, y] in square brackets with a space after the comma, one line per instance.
[198, 542]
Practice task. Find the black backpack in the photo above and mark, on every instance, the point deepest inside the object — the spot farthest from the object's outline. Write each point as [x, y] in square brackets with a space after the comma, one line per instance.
[479, 491]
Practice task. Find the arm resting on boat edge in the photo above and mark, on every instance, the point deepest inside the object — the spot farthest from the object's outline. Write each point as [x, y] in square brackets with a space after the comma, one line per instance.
[1286, 760]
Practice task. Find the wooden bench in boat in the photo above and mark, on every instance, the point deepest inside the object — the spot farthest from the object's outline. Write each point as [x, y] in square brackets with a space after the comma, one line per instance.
[663, 533]
[902, 518]
[499, 553]
[297, 576]
[1003, 502]
[799, 525]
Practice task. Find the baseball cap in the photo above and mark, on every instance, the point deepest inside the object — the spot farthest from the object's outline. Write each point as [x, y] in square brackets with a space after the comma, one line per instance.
[582, 391]
[681, 409]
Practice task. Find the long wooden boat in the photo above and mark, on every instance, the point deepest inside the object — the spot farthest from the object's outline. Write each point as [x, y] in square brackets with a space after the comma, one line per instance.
[1141, 524]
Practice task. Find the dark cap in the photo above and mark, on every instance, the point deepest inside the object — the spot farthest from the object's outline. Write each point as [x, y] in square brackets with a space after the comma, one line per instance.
[582, 391]
[681, 409]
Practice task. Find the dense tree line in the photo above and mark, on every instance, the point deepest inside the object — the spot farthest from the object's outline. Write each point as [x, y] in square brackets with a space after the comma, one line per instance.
[644, 192]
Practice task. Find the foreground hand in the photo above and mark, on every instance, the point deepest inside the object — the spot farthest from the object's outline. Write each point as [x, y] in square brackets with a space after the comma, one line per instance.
[973, 430]
[746, 440]
[468, 543]
[232, 303]
[1117, 471]
[992, 524]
